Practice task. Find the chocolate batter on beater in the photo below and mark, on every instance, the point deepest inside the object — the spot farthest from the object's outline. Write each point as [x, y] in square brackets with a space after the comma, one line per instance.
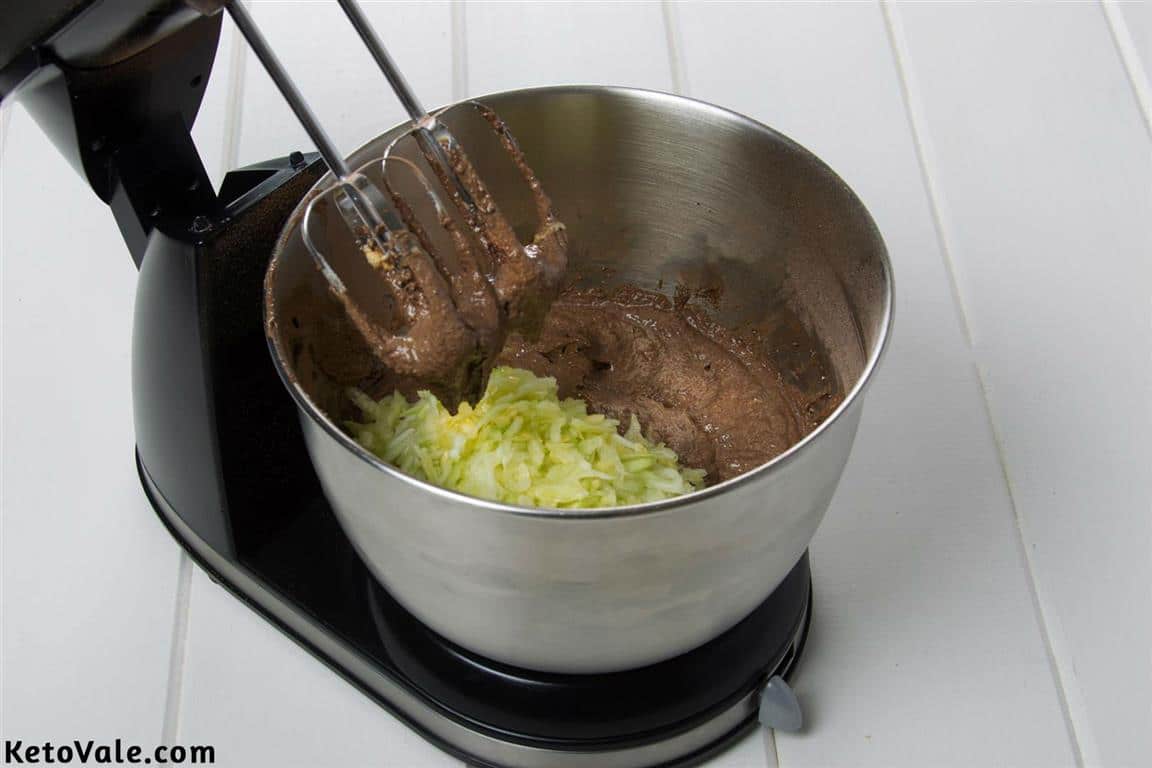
[453, 311]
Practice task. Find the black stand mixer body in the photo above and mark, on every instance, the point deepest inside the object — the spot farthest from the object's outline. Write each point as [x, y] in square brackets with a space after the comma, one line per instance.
[116, 86]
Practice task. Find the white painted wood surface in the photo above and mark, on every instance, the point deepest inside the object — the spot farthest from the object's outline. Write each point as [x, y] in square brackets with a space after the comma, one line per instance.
[1138, 20]
[1047, 215]
[88, 577]
[523, 44]
[973, 607]
[263, 700]
[334, 71]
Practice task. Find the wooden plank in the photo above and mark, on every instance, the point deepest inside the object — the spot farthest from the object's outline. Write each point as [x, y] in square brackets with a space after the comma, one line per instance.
[334, 71]
[263, 700]
[1131, 31]
[1045, 175]
[1138, 17]
[88, 572]
[518, 44]
[214, 133]
[756, 750]
[5, 118]
[215, 122]
[926, 645]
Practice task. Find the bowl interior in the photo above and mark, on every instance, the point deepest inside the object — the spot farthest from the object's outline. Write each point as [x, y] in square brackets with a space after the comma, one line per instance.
[657, 191]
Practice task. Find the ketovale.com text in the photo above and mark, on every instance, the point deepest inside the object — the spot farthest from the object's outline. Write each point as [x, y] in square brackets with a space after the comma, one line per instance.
[77, 752]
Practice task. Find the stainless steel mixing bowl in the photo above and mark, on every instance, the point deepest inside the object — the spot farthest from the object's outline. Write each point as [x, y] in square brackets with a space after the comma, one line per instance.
[657, 191]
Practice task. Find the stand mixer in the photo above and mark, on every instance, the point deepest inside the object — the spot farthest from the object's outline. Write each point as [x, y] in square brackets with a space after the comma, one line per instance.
[117, 85]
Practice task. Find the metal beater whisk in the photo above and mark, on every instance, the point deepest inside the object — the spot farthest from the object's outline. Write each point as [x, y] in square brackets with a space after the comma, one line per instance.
[450, 320]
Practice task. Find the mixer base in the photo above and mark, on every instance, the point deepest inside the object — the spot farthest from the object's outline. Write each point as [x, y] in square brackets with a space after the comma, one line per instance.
[306, 580]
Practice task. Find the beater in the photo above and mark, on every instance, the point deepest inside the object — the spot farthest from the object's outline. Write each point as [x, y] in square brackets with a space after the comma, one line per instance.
[450, 312]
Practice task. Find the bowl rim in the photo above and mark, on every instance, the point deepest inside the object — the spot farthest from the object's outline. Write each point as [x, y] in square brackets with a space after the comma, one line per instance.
[306, 406]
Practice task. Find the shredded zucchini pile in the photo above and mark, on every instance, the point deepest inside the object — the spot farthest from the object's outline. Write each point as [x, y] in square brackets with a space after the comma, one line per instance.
[521, 444]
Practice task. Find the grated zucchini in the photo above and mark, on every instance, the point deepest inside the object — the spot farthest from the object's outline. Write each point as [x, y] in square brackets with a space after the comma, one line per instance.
[521, 444]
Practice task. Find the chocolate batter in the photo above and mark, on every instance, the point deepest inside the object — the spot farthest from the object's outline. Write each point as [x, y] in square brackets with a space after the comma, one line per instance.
[714, 397]
[451, 309]
[726, 401]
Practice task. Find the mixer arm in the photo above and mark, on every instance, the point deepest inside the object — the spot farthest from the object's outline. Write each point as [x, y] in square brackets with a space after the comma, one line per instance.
[116, 85]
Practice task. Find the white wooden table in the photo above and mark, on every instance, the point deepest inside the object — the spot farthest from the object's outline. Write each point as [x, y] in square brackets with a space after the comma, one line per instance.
[984, 577]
